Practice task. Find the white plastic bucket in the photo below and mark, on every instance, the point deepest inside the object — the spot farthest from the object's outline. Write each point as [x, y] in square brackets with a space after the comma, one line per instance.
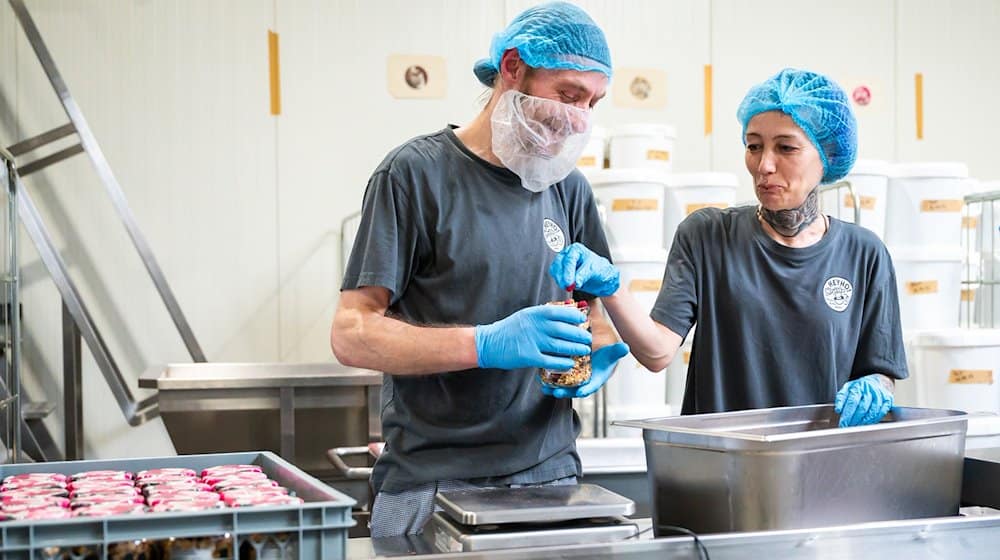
[925, 204]
[641, 272]
[634, 412]
[633, 205]
[677, 373]
[689, 192]
[642, 145]
[957, 369]
[905, 393]
[594, 152]
[928, 280]
[869, 179]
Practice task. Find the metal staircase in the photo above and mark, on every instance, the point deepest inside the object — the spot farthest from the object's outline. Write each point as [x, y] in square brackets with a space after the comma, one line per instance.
[78, 324]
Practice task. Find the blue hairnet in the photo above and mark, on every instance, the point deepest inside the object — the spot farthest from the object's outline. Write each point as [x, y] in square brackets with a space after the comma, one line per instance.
[818, 106]
[556, 35]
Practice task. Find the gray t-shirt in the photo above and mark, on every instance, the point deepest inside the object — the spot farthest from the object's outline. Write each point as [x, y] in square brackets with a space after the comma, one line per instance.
[458, 241]
[778, 326]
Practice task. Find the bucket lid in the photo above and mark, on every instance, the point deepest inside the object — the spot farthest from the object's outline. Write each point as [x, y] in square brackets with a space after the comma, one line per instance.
[645, 129]
[639, 254]
[958, 337]
[926, 253]
[940, 169]
[872, 167]
[706, 179]
[603, 177]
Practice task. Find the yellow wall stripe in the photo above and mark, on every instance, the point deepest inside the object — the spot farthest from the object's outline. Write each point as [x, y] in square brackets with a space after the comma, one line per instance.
[275, 71]
[918, 83]
[708, 99]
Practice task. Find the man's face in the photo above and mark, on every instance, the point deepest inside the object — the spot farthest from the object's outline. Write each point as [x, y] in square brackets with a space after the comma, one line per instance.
[575, 93]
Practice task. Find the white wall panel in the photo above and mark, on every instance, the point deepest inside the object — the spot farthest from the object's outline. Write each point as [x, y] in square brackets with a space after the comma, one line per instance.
[179, 104]
[751, 41]
[666, 35]
[955, 46]
[339, 121]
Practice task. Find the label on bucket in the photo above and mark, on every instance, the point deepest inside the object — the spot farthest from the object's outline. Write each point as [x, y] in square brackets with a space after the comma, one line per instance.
[971, 376]
[867, 202]
[658, 155]
[968, 295]
[630, 204]
[695, 206]
[970, 222]
[922, 287]
[940, 205]
[587, 161]
[640, 285]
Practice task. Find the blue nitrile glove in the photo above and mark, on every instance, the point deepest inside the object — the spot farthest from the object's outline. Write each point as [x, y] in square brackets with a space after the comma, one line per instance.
[862, 401]
[535, 337]
[578, 268]
[602, 364]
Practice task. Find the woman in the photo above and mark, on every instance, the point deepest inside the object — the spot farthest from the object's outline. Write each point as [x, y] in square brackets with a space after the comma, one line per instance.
[792, 307]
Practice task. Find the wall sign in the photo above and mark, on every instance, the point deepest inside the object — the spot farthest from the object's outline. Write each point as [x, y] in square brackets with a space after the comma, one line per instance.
[416, 76]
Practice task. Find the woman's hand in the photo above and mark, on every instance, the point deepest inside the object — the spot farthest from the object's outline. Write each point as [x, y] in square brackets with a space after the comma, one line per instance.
[578, 268]
[863, 401]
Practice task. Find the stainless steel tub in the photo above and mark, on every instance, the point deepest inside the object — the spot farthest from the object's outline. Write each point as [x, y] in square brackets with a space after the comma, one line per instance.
[791, 468]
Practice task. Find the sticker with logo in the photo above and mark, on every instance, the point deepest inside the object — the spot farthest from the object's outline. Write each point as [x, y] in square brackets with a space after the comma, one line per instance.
[837, 292]
[554, 236]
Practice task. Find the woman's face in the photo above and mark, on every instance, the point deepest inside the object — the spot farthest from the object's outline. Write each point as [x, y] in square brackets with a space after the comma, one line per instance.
[784, 164]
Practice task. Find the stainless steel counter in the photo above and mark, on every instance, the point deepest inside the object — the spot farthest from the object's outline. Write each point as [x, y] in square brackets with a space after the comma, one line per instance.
[973, 535]
[969, 538]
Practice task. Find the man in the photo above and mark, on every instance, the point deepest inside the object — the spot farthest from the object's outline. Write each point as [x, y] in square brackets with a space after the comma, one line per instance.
[459, 228]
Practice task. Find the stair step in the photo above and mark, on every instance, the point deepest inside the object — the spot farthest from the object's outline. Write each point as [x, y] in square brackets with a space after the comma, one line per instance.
[36, 410]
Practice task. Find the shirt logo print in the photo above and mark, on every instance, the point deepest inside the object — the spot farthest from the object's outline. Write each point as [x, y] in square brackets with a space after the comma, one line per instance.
[553, 234]
[837, 292]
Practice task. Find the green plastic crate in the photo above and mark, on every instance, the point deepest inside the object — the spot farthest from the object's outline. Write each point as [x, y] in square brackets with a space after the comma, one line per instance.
[319, 526]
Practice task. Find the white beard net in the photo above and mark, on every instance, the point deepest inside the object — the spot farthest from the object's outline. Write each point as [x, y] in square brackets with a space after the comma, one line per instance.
[538, 139]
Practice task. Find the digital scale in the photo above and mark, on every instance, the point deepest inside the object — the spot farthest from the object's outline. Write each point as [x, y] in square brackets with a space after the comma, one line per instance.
[501, 518]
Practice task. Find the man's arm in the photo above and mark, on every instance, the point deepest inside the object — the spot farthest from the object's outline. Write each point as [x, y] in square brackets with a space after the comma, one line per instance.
[362, 336]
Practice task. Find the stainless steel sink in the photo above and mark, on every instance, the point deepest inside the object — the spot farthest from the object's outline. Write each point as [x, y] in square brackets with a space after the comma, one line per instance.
[296, 410]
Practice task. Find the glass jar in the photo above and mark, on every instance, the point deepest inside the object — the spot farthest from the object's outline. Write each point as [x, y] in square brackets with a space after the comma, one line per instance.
[580, 373]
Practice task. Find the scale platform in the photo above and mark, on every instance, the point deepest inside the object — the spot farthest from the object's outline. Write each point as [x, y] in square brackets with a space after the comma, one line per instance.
[500, 518]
